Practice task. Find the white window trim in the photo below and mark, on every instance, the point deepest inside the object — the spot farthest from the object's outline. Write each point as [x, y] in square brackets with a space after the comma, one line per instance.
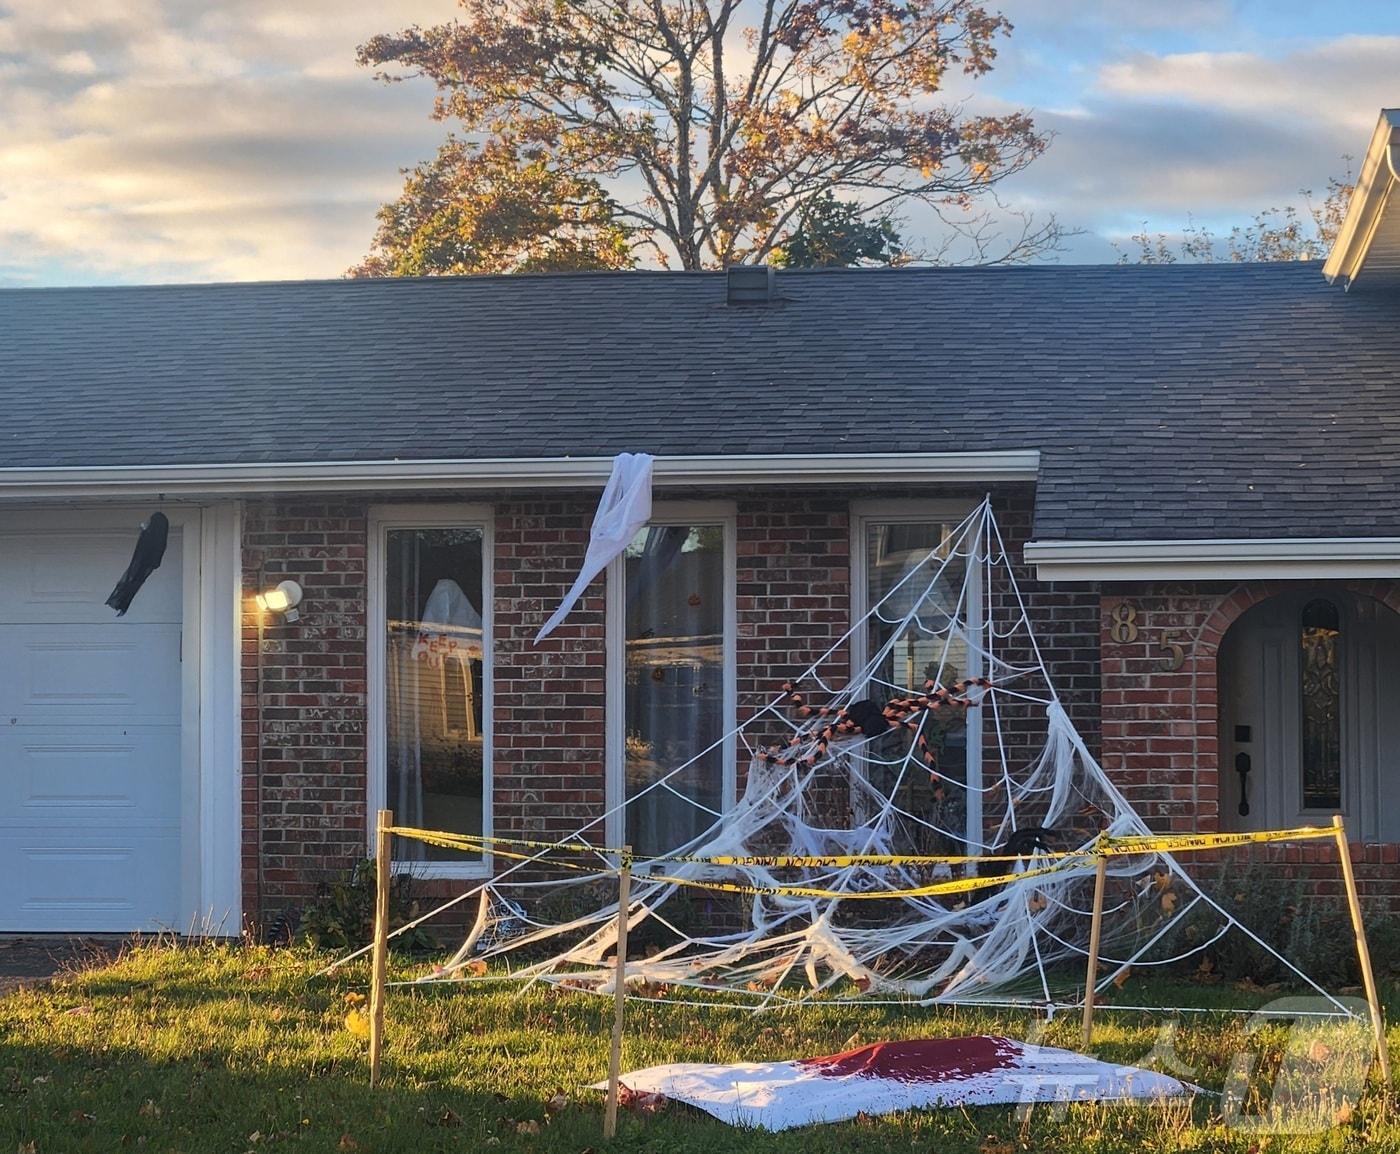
[906, 512]
[723, 513]
[382, 518]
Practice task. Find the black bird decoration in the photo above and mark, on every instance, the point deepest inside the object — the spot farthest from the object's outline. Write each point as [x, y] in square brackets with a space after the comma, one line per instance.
[150, 549]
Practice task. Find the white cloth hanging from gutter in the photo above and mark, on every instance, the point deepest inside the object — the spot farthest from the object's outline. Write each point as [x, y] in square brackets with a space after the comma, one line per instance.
[625, 508]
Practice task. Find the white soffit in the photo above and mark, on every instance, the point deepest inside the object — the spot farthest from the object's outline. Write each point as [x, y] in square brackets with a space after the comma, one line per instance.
[516, 473]
[1307, 559]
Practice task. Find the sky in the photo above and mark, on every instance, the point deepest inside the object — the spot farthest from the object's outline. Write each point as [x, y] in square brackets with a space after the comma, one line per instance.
[180, 140]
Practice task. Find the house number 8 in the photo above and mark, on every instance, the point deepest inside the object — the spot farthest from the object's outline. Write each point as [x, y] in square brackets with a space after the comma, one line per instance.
[1124, 629]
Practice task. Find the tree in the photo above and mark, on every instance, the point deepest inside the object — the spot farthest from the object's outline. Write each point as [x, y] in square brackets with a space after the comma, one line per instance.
[1276, 234]
[709, 140]
[493, 210]
[834, 233]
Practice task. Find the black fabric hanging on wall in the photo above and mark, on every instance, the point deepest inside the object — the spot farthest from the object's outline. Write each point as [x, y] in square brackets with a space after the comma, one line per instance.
[150, 549]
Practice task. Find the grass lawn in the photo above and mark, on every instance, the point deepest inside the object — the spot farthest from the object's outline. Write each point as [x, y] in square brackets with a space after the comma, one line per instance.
[232, 1049]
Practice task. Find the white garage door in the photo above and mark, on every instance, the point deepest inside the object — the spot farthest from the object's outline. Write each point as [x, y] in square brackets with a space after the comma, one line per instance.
[90, 728]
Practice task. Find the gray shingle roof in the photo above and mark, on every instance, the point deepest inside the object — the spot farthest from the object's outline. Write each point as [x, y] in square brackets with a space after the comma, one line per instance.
[1168, 402]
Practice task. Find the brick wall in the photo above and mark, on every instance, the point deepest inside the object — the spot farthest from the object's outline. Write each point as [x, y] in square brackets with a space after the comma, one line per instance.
[305, 712]
[548, 771]
[303, 702]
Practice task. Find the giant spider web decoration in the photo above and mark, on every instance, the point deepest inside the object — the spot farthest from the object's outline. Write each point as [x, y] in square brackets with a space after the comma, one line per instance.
[886, 903]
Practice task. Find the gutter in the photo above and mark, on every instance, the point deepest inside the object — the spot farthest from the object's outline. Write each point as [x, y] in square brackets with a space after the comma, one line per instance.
[518, 473]
[1245, 559]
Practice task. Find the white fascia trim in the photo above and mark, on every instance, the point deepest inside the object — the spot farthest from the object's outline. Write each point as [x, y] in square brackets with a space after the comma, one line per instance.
[1296, 558]
[1370, 201]
[514, 473]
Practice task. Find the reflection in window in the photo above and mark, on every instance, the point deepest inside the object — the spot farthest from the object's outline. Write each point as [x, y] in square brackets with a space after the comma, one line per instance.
[1322, 706]
[909, 657]
[434, 682]
[675, 661]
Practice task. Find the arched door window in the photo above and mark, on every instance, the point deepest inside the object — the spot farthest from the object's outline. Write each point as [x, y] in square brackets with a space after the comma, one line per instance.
[1321, 686]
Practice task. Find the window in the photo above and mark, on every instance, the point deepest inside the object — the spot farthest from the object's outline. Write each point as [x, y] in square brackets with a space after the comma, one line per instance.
[671, 666]
[1321, 687]
[891, 539]
[430, 677]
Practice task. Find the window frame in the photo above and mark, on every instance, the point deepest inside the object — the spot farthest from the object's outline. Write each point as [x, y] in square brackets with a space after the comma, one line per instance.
[912, 511]
[382, 519]
[724, 514]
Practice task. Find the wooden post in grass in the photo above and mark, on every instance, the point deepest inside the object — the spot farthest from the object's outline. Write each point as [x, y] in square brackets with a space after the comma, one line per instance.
[1363, 951]
[382, 867]
[1091, 976]
[624, 901]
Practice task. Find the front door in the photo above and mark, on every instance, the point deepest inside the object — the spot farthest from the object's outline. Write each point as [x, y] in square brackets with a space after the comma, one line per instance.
[1310, 714]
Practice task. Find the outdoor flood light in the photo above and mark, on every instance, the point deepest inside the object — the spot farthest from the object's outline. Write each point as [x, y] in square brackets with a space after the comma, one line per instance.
[283, 598]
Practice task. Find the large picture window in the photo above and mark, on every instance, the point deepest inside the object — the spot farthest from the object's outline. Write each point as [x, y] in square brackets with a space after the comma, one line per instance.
[672, 671]
[430, 692]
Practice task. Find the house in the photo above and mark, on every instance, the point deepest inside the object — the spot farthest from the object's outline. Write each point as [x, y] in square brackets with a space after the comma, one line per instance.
[1197, 470]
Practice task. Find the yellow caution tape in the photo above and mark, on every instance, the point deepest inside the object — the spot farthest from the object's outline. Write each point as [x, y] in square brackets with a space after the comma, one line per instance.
[935, 889]
[1179, 842]
[1104, 846]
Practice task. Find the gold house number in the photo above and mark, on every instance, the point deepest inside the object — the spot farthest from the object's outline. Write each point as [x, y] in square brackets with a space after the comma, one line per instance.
[1123, 630]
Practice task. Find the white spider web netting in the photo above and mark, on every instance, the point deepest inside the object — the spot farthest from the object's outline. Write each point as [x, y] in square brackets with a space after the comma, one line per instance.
[883, 904]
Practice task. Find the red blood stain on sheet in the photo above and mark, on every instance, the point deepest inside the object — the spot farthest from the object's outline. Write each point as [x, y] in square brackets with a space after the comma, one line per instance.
[921, 1060]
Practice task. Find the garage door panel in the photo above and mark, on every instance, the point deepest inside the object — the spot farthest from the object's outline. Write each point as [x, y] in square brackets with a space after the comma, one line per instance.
[66, 577]
[90, 674]
[60, 776]
[92, 789]
[106, 884]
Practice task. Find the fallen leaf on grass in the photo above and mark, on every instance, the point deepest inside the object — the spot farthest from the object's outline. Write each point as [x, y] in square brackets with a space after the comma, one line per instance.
[28, 1148]
[559, 1101]
[348, 1144]
[448, 1117]
[1345, 1113]
[477, 968]
[78, 1012]
[529, 1126]
[1121, 978]
[149, 1109]
[357, 1022]
[994, 1145]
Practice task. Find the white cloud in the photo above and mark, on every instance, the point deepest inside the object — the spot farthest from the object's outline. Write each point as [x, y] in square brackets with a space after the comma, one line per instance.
[1210, 136]
[178, 140]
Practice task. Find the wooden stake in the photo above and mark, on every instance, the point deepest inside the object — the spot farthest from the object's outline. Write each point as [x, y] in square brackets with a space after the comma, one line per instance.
[382, 868]
[1363, 951]
[1091, 977]
[624, 901]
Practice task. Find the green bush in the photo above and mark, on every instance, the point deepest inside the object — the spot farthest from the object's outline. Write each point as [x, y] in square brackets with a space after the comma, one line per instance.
[342, 915]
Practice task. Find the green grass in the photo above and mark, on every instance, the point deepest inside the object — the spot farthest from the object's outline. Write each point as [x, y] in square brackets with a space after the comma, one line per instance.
[230, 1049]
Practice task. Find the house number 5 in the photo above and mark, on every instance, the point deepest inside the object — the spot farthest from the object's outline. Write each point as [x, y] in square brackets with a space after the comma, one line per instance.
[1170, 644]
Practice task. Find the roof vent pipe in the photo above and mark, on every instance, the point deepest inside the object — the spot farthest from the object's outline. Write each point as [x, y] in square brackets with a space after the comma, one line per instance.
[750, 284]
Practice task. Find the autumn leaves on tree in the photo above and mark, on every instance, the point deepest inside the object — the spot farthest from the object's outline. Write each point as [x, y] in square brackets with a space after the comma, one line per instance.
[701, 133]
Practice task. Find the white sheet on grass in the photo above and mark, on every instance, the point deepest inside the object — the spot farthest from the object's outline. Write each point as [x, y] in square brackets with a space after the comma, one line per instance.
[625, 508]
[889, 1076]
